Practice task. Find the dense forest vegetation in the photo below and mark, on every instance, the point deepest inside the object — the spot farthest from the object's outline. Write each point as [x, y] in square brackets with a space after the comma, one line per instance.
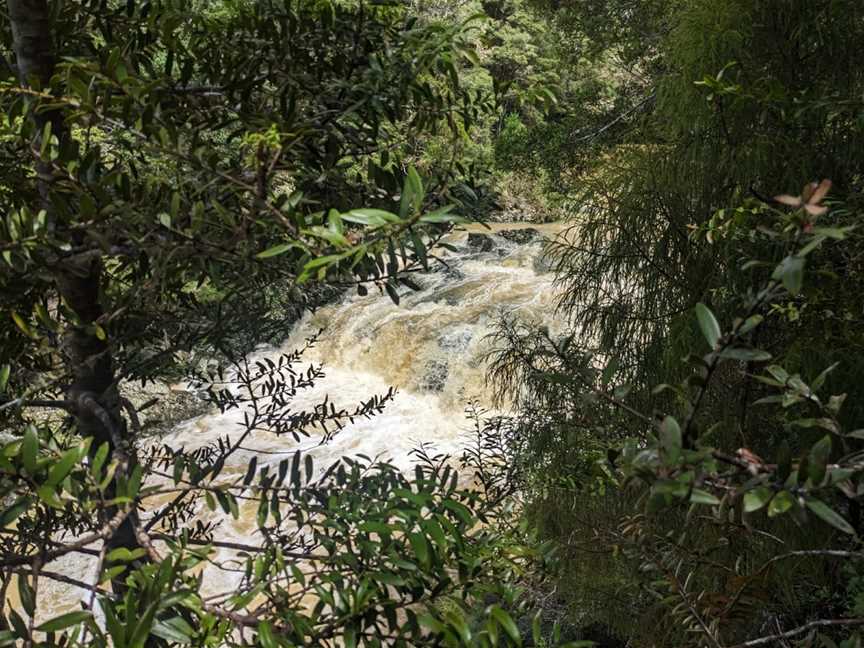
[683, 465]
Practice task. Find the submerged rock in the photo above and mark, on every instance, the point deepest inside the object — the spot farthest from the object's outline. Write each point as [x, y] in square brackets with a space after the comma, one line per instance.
[453, 272]
[456, 340]
[435, 376]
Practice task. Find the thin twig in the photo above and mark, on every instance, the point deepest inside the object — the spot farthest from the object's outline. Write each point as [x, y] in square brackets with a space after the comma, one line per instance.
[821, 623]
[47, 556]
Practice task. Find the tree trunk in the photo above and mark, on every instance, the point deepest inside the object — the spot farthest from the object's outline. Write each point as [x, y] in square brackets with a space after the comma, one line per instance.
[78, 277]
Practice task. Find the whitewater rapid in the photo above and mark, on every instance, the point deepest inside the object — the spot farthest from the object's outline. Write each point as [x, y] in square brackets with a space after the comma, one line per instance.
[430, 347]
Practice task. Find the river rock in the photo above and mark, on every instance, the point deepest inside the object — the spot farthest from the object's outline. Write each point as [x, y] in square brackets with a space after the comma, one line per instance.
[520, 236]
[542, 263]
[482, 242]
[453, 273]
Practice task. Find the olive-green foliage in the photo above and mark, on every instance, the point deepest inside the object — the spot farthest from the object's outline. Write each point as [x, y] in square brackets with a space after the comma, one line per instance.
[736, 114]
[670, 527]
[190, 157]
[171, 171]
[738, 102]
[521, 66]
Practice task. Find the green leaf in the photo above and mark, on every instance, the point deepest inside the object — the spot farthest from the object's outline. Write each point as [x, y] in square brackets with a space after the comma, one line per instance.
[27, 595]
[65, 621]
[778, 373]
[536, 634]
[46, 139]
[507, 623]
[610, 370]
[419, 249]
[334, 238]
[442, 215]
[435, 532]
[411, 189]
[263, 510]
[824, 423]
[265, 635]
[745, 355]
[757, 498]
[818, 460]
[9, 515]
[373, 526]
[751, 323]
[115, 629]
[323, 261]
[828, 515]
[308, 467]
[122, 554]
[349, 638]
[373, 217]
[276, 250]
[387, 578]
[836, 233]
[4, 377]
[670, 439]
[791, 272]
[708, 324]
[49, 496]
[456, 618]
[99, 459]
[412, 194]
[29, 449]
[431, 622]
[461, 511]
[175, 629]
[820, 379]
[699, 496]
[420, 546]
[23, 326]
[111, 573]
[121, 73]
[63, 467]
[250, 471]
[781, 502]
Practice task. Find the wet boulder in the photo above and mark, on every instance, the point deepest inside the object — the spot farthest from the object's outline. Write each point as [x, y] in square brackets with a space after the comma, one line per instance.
[543, 263]
[520, 236]
[481, 242]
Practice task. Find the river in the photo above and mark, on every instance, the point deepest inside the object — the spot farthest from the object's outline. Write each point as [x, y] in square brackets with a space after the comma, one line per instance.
[430, 347]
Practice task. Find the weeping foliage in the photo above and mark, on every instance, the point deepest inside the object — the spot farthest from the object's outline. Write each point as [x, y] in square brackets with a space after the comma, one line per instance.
[754, 97]
[743, 101]
[651, 521]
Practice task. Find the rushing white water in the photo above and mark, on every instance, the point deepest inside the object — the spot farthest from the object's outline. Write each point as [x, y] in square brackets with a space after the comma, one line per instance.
[430, 347]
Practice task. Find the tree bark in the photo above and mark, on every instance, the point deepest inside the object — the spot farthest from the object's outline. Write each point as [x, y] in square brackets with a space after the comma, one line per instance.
[78, 279]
